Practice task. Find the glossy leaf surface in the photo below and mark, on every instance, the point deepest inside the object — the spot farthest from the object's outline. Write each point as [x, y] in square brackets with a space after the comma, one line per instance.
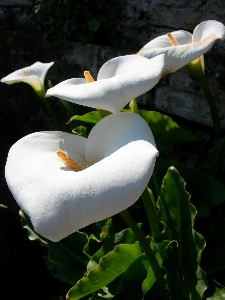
[206, 191]
[178, 215]
[165, 130]
[110, 267]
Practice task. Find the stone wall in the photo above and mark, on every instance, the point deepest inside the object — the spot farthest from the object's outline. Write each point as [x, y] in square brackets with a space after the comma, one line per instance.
[177, 94]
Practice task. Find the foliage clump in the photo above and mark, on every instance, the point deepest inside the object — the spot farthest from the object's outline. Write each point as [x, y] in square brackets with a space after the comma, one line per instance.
[79, 20]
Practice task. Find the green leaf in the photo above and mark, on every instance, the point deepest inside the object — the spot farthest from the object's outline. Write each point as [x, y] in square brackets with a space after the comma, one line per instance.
[159, 250]
[206, 191]
[176, 212]
[165, 130]
[92, 245]
[67, 253]
[110, 267]
[215, 156]
[80, 130]
[214, 254]
[213, 286]
[124, 237]
[219, 295]
[133, 278]
[91, 117]
[67, 105]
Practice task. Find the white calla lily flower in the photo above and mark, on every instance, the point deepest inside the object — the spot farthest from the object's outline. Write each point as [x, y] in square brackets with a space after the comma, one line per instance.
[116, 163]
[181, 47]
[119, 80]
[33, 75]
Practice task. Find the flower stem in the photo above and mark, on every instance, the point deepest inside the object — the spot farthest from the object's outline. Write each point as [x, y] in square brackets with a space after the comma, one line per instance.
[148, 251]
[67, 106]
[212, 107]
[156, 184]
[133, 106]
[149, 203]
[47, 104]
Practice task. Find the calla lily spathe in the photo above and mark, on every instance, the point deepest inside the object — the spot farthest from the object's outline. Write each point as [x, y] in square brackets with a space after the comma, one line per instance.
[191, 46]
[118, 159]
[33, 75]
[119, 80]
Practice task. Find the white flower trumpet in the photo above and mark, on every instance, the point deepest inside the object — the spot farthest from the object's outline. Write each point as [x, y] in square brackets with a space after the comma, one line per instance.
[181, 47]
[33, 75]
[114, 166]
[119, 80]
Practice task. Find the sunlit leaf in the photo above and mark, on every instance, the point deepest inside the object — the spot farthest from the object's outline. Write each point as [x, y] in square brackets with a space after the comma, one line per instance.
[165, 130]
[110, 267]
[126, 236]
[80, 130]
[91, 117]
[219, 295]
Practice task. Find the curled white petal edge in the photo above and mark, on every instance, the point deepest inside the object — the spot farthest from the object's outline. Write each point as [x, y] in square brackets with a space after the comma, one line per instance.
[114, 93]
[75, 200]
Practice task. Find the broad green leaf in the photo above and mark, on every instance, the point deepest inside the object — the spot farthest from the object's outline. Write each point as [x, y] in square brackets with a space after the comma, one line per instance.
[219, 295]
[133, 278]
[215, 156]
[67, 253]
[165, 130]
[110, 267]
[91, 117]
[103, 113]
[213, 288]
[176, 212]
[159, 251]
[213, 257]
[124, 237]
[206, 191]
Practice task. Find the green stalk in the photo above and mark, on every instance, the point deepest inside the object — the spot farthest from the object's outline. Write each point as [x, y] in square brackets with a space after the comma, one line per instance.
[67, 106]
[149, 203]
[212, 107]
[47, 104]
[64, 103]
[156, 184]
[152, 199]
[133, 106]
[148, 251]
